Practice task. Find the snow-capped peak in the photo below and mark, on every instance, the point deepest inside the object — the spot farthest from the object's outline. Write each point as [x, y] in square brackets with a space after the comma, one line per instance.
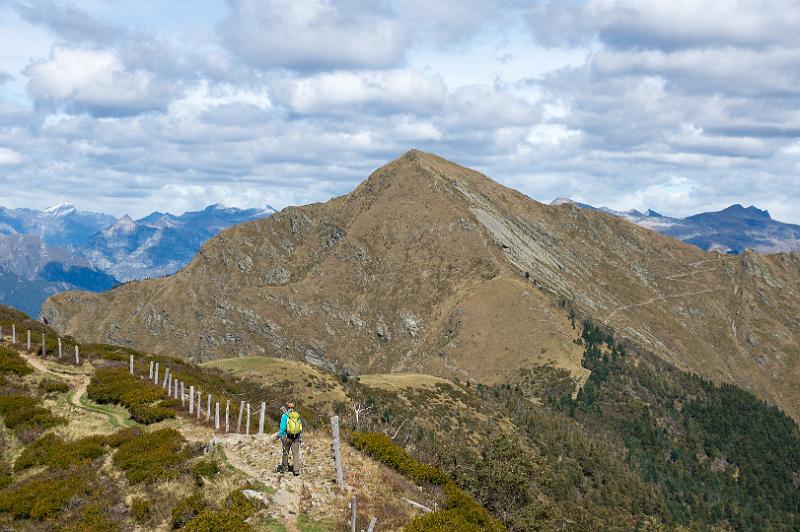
[561, 201]
[62, 209]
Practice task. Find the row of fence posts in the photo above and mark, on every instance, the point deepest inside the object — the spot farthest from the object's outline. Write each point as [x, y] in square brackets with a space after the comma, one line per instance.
[177, 390]
[44, 343]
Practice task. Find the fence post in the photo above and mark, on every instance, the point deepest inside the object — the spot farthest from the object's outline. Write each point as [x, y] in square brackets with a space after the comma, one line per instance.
[239, 423]
[248, 419]
[216, 416]
[29, 339]
[261, 418]
[199, 401]
[191, 399]
[353, 513]
[166, 376]
[208, 409]
[77, 356]
[227, 412]
[337, 452]
[183, 394]
[44, 346]
[131, 370]
[14, 334]
[59, 348]
[155, 375]
[151, 371]
[372, 522]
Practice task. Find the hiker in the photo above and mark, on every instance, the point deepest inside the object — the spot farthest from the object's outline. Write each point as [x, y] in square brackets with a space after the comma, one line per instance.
[291, 435]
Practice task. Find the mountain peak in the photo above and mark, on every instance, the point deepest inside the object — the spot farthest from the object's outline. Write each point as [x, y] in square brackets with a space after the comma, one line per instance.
[752, 210]
[62, 209]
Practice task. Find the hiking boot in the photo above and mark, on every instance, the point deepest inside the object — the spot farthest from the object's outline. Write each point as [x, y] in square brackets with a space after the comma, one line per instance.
[296, 473]
[279, 469]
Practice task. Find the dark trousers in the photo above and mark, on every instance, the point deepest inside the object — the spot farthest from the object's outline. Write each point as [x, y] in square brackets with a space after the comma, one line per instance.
[291, 444]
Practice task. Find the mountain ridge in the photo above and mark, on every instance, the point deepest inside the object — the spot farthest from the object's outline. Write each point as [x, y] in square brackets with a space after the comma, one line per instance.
[429, 266]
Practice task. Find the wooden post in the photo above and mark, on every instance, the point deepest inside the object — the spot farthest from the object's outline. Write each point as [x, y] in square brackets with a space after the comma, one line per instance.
[199, 401]
[1, 333]
[183, 394]
[166, 376]
[372, 522]
[227, 413]
[131, 368]
[151, 371]
[353, 514]
[155, 375]
[208, 409]
[44, 346]
[337, 452]
[77, 356]
[14, 334]
[248, 419]
[59, 348]
[176, 389]
[216, 416]
[29, 339]
[191, 399]
[261, 418]
[239, 423]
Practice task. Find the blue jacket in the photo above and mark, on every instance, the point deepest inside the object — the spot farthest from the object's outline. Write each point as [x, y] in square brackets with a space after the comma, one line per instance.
[284, 420]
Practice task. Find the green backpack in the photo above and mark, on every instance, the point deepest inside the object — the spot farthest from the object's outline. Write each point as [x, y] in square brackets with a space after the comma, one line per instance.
[294, 425]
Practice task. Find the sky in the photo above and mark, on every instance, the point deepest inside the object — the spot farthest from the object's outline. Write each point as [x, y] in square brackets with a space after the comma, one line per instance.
[125, 106]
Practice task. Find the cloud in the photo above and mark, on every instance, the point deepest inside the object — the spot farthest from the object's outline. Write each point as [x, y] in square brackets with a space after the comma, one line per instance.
[309, 35]
[95, 81]
[9, 157]
[4, 77]
[69, 22]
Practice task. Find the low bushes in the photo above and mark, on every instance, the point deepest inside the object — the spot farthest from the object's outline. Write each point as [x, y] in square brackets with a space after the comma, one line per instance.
[231, 517]
[383, 449]
[187, 509]
[12, 363]
[117, 386]
[52, 451]
[44, 495]
[206, 468]
[460, 511]
[26, 417]
[52, 386]
[140, 510]
[152, 456]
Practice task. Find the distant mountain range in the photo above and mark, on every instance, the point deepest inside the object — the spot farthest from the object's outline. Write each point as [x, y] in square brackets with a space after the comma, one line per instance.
[60, 248]
[730, 230]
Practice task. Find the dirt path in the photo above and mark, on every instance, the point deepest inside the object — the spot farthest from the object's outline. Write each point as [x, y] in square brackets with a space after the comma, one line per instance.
[77, 398]
[663, 298]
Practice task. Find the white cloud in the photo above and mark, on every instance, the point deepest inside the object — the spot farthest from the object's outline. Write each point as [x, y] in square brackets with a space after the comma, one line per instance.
[95, 81]
[9, 157]
[315, 34]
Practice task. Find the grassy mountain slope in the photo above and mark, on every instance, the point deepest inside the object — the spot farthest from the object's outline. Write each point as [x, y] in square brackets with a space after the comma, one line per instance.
[431, 267]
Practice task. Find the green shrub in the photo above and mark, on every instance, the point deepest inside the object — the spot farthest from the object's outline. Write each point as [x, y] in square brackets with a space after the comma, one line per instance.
[44, 495]
[231, 517]
[92, 520]
[117, 386]
[187, 509]
[23, 414]
[206, 468]
[383, 449]
[152, 456]
[140, 510]
[122, 436]
[149, 414]
[12, 362]
[53, 386]
[52, 451]
[6, 478]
